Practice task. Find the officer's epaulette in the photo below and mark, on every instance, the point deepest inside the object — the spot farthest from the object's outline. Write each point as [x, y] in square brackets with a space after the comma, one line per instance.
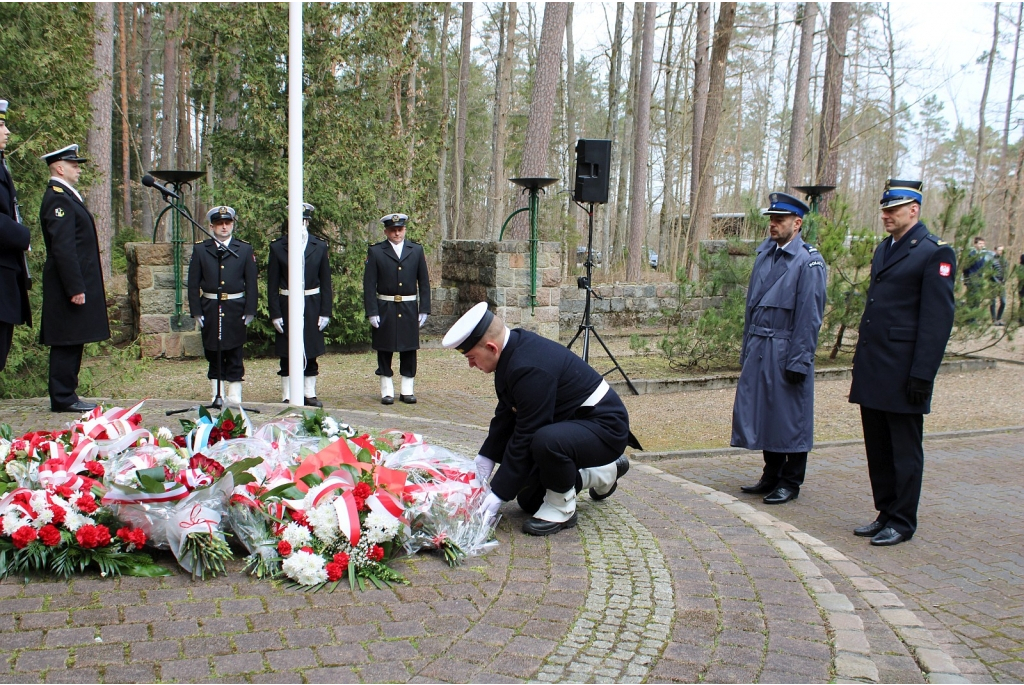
[56, 189]
[239, 240]
[935, 239]
[810, 248]
[409, 240]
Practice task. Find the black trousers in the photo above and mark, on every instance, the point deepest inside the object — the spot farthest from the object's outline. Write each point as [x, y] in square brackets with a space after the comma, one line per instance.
[311, 369]
[406, 363]
[559, 451]
[65, 363]
[232, 368]
[895, 465]
[787, 469]
[6, 336]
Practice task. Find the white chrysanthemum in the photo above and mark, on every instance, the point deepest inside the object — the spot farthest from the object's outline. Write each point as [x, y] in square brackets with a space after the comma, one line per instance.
[12, 521]
[296, 535]
[73, 520]
[325, 523]
[305, 568]
[164, 433]
[380, 527]
[5, 449]
[331, 427]
[43, 517]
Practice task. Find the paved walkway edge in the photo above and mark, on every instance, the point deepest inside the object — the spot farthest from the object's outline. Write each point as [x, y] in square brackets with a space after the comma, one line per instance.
[736, 451]
[851, 653]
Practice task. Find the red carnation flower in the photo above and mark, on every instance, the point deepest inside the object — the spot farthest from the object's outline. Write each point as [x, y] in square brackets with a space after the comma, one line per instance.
[58, 514]
[134, 537]
[227, 425]
[135, 420]
[86, 504]
[205, 464]
[168, 475]
[49, 535]
[300, 518]
[334, 572]
[284, 548]
[375, 553]
[95, 468]
[65, 491]
[362, 491]
[23, 536]
[360, 504]
[307, 550]
[87, 536]
[341, 559]
[179, 440]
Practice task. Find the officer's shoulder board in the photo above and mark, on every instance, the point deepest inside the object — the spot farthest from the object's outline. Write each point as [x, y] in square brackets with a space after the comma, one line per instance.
[935, 239]
[810, 248]
[56, 188]
[814, 256]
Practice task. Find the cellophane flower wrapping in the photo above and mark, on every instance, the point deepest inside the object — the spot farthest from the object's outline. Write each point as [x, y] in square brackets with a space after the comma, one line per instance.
[442, 500]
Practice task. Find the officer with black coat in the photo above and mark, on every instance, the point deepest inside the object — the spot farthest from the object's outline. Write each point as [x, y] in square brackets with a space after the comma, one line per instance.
[14, 240]
[907, 320]
[317, 312]
[218, 278]
[558, 428]
[74, 299]
[394, 269]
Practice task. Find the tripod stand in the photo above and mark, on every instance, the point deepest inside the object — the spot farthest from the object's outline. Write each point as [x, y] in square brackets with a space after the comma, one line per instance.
[586, 328]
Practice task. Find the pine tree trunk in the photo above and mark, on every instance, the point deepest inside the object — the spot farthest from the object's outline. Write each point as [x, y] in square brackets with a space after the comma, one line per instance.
[668, 209]
[184, 110]
[499, 132]
[442, 162]
[168, 136]
[1004, 159]
[641, 148]
[701, 77]
[979, 155]
[542, 104]
[611, 132]
[410, 111]
[617, 250]
[798, 126]
[126, 139]
[146, 112]
[573, 223]
[462, 118]
[831, 101]
[99, 143]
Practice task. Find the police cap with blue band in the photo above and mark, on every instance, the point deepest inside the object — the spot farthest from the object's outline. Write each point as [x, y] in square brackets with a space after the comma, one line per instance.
[784, 203]
[467, 331]
[899, 192]
[220, 213]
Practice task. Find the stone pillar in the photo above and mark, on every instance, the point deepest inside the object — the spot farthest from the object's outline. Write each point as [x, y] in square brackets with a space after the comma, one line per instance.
[151, 291]
[499, 273]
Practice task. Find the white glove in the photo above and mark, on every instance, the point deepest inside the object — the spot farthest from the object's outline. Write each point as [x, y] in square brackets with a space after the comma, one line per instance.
[423, 319]
[199, 320]
[247, 319]
[484, 466]
[375, 321]
[490, 505]
[322, 322]
[278, 325]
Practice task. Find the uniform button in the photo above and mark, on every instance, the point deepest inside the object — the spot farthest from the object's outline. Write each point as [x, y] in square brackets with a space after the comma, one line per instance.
[399, 285]
[399, 268]
[871, 301]
[868, 321]
[222, 266]
[222, 282]
[399, 316]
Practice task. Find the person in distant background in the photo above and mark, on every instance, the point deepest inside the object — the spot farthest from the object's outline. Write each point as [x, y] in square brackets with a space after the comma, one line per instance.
[997, 274]
[14, 240]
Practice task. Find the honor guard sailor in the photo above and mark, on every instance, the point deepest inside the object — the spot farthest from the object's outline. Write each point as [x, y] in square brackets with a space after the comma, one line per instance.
[903, 332]
[774, 407]
[74, 299]
[14, 241]
[317, 312]
[222, 292]
[396, 297]
[558, 427]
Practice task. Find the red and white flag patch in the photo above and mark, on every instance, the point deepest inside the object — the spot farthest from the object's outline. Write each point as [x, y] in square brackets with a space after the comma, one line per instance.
[945, 269]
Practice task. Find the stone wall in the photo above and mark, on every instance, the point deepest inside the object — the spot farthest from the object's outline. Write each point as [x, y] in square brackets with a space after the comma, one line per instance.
[119, 309]
[628, 305]
[151, 291]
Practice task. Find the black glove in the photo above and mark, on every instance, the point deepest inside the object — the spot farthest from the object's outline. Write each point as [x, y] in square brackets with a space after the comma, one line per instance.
[795, 377]
[918, 391]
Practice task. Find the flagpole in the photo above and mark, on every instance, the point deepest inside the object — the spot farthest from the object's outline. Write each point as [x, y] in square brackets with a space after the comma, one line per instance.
[296, 301]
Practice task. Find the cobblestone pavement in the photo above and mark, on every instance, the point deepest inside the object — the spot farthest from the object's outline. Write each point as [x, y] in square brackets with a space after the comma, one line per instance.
[670, 580]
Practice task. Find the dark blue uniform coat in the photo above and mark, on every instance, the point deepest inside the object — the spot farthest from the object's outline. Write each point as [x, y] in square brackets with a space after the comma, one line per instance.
[317, 275]
[539, 382]
[72, 266]
[785, 303]
[14, 240]
[399, 329]
[907, 320]
[238, 275]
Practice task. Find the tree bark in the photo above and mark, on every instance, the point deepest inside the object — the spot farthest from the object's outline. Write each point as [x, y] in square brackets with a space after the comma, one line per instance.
[701, 77]
[619, 237]
[442, 162]
[169, 109]
[462, 117]
[641, 139]
[700, 213]
[499, 132]
[831, 101]
[185, 159]
[798, 126]
[410, 110]
[98, 143]
[668, 209]
[146, 112]
[126, 140]
[980, 151]
[542, 103]
[1004, 158]
[611, 129]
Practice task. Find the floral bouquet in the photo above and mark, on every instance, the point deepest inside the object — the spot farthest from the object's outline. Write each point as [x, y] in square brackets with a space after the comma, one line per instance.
[209, 431]
[114, 429]
[442, 501]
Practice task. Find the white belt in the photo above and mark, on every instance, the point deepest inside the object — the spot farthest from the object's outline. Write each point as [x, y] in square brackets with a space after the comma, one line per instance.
[311, 291]
[224, 296]
[397, 298]
[597, 395]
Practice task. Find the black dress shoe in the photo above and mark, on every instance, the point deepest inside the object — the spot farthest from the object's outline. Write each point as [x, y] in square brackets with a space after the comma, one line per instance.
[80, 406]
[387, 400]
[760, 487]
[536, 526]
[621, 467]
[408, 399]
[780, 496]
[888, 536]
[312, 402]
[870, 530]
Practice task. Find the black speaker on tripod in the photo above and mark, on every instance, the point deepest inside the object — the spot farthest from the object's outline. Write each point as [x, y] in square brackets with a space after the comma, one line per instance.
[593, 170]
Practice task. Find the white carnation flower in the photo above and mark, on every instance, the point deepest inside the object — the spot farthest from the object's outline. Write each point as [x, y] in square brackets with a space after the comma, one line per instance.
[325, 523]
[164, 433]
[305, 568]
[380, 527]
[296, 535]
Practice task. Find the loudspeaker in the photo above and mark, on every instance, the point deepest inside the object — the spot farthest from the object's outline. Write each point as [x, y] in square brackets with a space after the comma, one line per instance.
[593, 170]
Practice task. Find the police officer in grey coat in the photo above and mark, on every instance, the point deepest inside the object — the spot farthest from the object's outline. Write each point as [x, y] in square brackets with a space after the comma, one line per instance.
[903, 333]
[774, 406]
